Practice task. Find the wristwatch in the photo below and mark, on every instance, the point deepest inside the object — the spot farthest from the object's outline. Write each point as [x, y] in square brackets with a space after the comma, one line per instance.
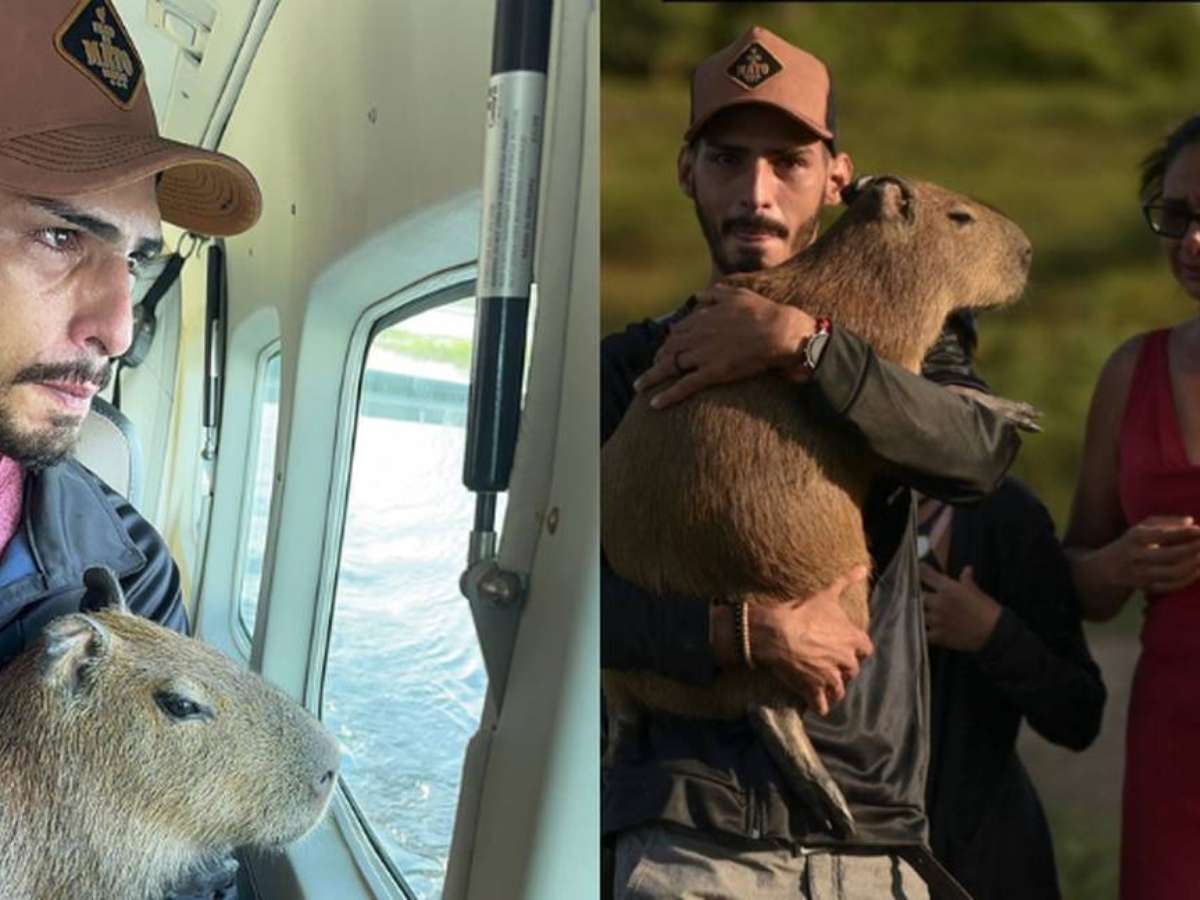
[814, 345]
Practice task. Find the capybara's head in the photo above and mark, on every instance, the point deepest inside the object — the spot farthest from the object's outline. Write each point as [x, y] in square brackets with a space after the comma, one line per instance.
[967, 251]
[156, 729]
[901, 257]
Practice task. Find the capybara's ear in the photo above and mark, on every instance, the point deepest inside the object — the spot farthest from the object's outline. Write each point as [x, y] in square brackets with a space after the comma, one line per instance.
[71, 647]
[896, 202]
[104, 590]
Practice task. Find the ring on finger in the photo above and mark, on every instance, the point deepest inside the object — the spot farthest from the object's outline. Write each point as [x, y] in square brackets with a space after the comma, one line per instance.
[679, 369]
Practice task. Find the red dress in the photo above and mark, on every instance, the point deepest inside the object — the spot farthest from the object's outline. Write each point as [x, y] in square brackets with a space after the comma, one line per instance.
[1160, 828]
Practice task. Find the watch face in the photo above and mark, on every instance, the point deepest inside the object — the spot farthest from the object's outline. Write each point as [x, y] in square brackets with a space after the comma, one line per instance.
[812, 349]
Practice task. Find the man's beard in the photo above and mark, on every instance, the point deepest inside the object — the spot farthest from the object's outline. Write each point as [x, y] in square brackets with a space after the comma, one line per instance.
[50, 445]
[750, 259]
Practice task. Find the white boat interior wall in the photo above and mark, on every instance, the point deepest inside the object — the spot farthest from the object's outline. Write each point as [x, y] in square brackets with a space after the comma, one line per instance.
[363, 122]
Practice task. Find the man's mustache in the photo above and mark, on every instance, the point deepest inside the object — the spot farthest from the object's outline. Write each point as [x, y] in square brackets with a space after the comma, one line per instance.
[82, 371]
[754, 223]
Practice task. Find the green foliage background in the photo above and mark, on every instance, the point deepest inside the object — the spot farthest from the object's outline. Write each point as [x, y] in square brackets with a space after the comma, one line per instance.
[1044, 110]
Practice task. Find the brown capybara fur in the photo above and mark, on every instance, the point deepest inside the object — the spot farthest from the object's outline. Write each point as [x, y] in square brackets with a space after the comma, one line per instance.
[132, 754]
[740, 491]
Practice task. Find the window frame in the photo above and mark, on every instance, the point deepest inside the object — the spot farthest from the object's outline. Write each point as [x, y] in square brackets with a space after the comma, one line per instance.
[243, 639]
[440, 289]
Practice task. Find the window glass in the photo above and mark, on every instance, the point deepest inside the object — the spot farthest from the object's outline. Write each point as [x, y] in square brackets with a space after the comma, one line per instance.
[404, 681]
[261, 467]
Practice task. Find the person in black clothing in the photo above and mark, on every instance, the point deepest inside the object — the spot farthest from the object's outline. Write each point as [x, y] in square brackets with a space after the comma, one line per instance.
[1006, 643]
[695, 807]
[85, 182]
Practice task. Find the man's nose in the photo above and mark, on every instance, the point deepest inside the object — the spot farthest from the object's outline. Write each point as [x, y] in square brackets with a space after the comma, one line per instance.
[103, 320]
[760, 185]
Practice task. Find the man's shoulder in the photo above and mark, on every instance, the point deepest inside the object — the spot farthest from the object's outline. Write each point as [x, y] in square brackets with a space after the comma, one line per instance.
[75, 508]
[72, 482]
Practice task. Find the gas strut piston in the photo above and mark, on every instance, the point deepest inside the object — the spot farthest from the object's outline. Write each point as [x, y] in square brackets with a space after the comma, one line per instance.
[512, 161]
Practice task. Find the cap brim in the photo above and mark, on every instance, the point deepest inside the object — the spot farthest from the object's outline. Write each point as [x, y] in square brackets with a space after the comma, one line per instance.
[696, 127]
[202, 191]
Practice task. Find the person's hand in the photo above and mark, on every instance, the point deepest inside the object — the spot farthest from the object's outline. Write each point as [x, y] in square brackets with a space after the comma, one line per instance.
[810, 644]
[1158, 555]
[958, 615]
[732, 334]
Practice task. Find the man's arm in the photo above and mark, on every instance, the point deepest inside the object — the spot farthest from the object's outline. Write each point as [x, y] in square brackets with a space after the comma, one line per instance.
[1037, 655]
[649, 632]
[932, 439]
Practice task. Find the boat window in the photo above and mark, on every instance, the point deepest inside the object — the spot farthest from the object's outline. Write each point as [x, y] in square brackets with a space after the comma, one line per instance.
[404, 679]
[261, 469]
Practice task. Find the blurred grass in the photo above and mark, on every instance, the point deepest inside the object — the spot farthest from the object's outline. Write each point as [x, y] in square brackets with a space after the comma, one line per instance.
[456, 351]
[1043, 110]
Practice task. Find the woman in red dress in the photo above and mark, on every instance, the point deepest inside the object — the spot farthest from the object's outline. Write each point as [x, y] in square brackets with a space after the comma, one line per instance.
[1135, 525]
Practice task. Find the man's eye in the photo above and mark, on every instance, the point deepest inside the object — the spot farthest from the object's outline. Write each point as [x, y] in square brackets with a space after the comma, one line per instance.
[725, 159]
[61, 239]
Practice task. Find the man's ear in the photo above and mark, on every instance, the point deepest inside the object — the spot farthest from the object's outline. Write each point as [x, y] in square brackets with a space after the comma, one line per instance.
[71, 647]
[839, 174]
[685, 170]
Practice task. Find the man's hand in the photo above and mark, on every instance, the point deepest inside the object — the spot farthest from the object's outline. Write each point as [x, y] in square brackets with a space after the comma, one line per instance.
[732, 334]
[958, 615]
[810, 644]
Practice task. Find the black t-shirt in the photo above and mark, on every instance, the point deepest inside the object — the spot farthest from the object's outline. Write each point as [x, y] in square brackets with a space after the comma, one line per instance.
[717, 775]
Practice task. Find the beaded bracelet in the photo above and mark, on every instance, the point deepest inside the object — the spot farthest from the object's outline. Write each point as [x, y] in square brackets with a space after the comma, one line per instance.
[741, 622]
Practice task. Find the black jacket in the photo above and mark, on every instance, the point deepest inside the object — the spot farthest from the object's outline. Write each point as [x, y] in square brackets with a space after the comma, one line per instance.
[71, 520]
[986, 824]
[717, 776]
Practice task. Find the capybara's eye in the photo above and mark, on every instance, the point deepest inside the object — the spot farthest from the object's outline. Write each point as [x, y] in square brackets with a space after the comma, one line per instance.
[961, 216]
[178, 707]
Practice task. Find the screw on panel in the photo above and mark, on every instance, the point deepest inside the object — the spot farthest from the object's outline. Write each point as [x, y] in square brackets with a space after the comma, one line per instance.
[552, 520]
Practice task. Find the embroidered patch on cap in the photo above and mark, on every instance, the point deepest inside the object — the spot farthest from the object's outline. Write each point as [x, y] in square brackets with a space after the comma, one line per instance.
[94, 41]
[754, 66]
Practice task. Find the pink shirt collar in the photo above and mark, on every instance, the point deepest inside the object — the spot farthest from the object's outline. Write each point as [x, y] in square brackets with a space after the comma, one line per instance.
[11, 482]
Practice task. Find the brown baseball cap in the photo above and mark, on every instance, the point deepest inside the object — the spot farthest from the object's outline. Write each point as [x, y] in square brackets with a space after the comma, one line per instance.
[761, 67]
[75, 117]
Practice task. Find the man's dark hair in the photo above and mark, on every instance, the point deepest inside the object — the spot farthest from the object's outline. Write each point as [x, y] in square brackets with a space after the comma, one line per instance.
[1156, 163]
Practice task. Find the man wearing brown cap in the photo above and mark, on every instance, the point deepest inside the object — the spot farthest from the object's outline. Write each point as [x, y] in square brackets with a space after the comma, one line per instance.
[698, 808]
[85, 182]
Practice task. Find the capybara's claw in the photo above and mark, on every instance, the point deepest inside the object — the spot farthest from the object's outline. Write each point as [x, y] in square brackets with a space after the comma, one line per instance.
[1023, 415]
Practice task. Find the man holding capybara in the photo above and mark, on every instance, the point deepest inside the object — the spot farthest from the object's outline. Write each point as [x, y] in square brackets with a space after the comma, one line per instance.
[699, 806]
[85, 181]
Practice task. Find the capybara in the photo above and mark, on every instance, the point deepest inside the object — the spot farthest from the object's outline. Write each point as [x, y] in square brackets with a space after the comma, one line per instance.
[132, 754]
[743, 492]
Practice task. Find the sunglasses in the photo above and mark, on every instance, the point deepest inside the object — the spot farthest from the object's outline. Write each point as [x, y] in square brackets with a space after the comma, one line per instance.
[1170, 220]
